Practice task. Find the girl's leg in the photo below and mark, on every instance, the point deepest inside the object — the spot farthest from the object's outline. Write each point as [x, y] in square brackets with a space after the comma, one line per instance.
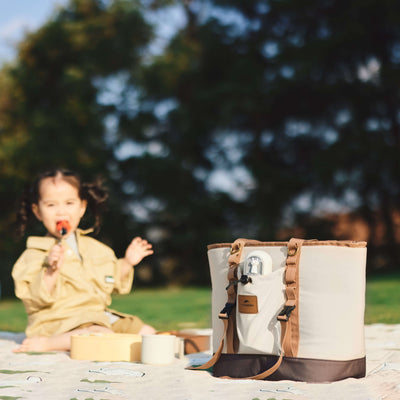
[59, 342]
[127, 323]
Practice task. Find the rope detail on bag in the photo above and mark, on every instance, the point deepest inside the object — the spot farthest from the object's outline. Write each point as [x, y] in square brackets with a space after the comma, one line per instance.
[244, 279]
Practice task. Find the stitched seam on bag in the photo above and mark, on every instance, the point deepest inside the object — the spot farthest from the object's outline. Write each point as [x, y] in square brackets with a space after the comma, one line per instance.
[339, 243]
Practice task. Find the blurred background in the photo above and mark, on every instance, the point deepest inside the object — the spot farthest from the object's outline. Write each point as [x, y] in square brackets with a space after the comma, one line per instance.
[208, 120]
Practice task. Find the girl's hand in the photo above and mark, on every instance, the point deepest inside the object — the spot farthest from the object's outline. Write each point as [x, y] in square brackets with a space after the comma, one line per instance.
[137, 250]
[55, 258]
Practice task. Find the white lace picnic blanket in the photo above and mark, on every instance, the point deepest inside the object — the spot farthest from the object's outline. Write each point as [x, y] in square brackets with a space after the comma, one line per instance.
[53, 376]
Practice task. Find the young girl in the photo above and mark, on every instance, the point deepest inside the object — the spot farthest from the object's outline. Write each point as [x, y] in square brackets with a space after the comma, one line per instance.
[66, 278]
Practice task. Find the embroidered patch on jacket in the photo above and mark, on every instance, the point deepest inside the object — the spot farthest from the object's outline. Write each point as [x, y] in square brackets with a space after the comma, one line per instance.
[248, 304]
[109, 279]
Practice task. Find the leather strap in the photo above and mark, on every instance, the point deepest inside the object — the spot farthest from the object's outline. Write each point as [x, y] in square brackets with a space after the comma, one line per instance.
[232, 341]
[269, 371]
[217, 354]
[290, 342]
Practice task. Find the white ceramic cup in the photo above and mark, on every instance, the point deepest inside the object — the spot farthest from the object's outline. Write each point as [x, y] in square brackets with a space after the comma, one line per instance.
[158, 349]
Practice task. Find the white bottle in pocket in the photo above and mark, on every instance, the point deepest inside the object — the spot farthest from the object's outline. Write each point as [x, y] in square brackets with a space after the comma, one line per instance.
[257, 262]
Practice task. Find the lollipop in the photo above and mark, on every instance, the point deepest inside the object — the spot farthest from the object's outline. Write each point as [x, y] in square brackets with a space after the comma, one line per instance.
[63, 227]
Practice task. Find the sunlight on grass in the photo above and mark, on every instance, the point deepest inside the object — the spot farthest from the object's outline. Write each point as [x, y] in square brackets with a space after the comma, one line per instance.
[12, 316]
[165, 308]
[174, 308]
[180, 308]
[383, 299]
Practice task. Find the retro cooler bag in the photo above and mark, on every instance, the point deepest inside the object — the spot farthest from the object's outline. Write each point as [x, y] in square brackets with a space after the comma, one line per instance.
[288, 310]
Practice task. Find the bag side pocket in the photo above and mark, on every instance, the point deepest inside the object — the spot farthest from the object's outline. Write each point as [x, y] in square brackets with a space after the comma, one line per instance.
[258, 304]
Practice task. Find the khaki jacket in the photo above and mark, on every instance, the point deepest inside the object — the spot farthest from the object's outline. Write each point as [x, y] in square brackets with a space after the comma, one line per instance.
[83, 288]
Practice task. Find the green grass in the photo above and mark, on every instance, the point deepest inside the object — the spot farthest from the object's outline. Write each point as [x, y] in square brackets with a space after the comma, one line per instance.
[166, 308]
[180, 308]
[12, 316]
[172, 308]
[383, 299]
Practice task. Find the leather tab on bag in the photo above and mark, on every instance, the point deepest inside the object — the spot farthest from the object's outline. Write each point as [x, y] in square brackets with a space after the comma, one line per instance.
[291, 275]
[236, 252]
[247, 304]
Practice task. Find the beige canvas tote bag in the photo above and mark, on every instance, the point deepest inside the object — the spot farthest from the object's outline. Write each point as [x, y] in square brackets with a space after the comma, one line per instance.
[288, 310]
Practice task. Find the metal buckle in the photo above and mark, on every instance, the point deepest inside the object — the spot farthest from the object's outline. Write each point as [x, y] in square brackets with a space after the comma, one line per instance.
[236, 248]
[224, 313]
[285, 313]
[293, 252]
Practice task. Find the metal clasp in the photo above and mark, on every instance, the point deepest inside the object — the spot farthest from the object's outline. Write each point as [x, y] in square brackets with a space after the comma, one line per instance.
[236, 248]
[224, 313]
[285, 313]
[293, 252]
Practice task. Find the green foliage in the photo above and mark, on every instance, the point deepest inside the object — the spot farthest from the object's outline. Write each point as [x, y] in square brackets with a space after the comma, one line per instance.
[290, 99]
[49, 109]
[295, 102]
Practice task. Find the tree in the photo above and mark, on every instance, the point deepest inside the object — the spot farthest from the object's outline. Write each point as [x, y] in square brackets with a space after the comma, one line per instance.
[299, 96]
[254, 118]
[49, 109]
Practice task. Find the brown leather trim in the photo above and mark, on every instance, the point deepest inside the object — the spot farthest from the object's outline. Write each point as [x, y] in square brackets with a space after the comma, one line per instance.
[252, 243]
[290, 345]
[292, 368]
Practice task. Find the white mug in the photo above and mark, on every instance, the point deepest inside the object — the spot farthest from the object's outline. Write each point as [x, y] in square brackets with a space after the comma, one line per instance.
[158, 349]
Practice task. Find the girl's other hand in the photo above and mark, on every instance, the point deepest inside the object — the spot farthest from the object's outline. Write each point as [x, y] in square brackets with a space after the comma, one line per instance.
[55, 258]
[137, 250]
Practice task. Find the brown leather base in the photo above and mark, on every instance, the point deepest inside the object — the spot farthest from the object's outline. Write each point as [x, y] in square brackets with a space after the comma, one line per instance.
[292, 368]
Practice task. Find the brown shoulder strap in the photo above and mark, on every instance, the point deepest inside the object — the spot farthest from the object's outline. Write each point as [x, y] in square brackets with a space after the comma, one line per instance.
[260, 376]
[217, 354]
[228, 314]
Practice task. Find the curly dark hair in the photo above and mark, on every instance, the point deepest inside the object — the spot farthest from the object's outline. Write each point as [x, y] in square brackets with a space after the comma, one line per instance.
[94, 193]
